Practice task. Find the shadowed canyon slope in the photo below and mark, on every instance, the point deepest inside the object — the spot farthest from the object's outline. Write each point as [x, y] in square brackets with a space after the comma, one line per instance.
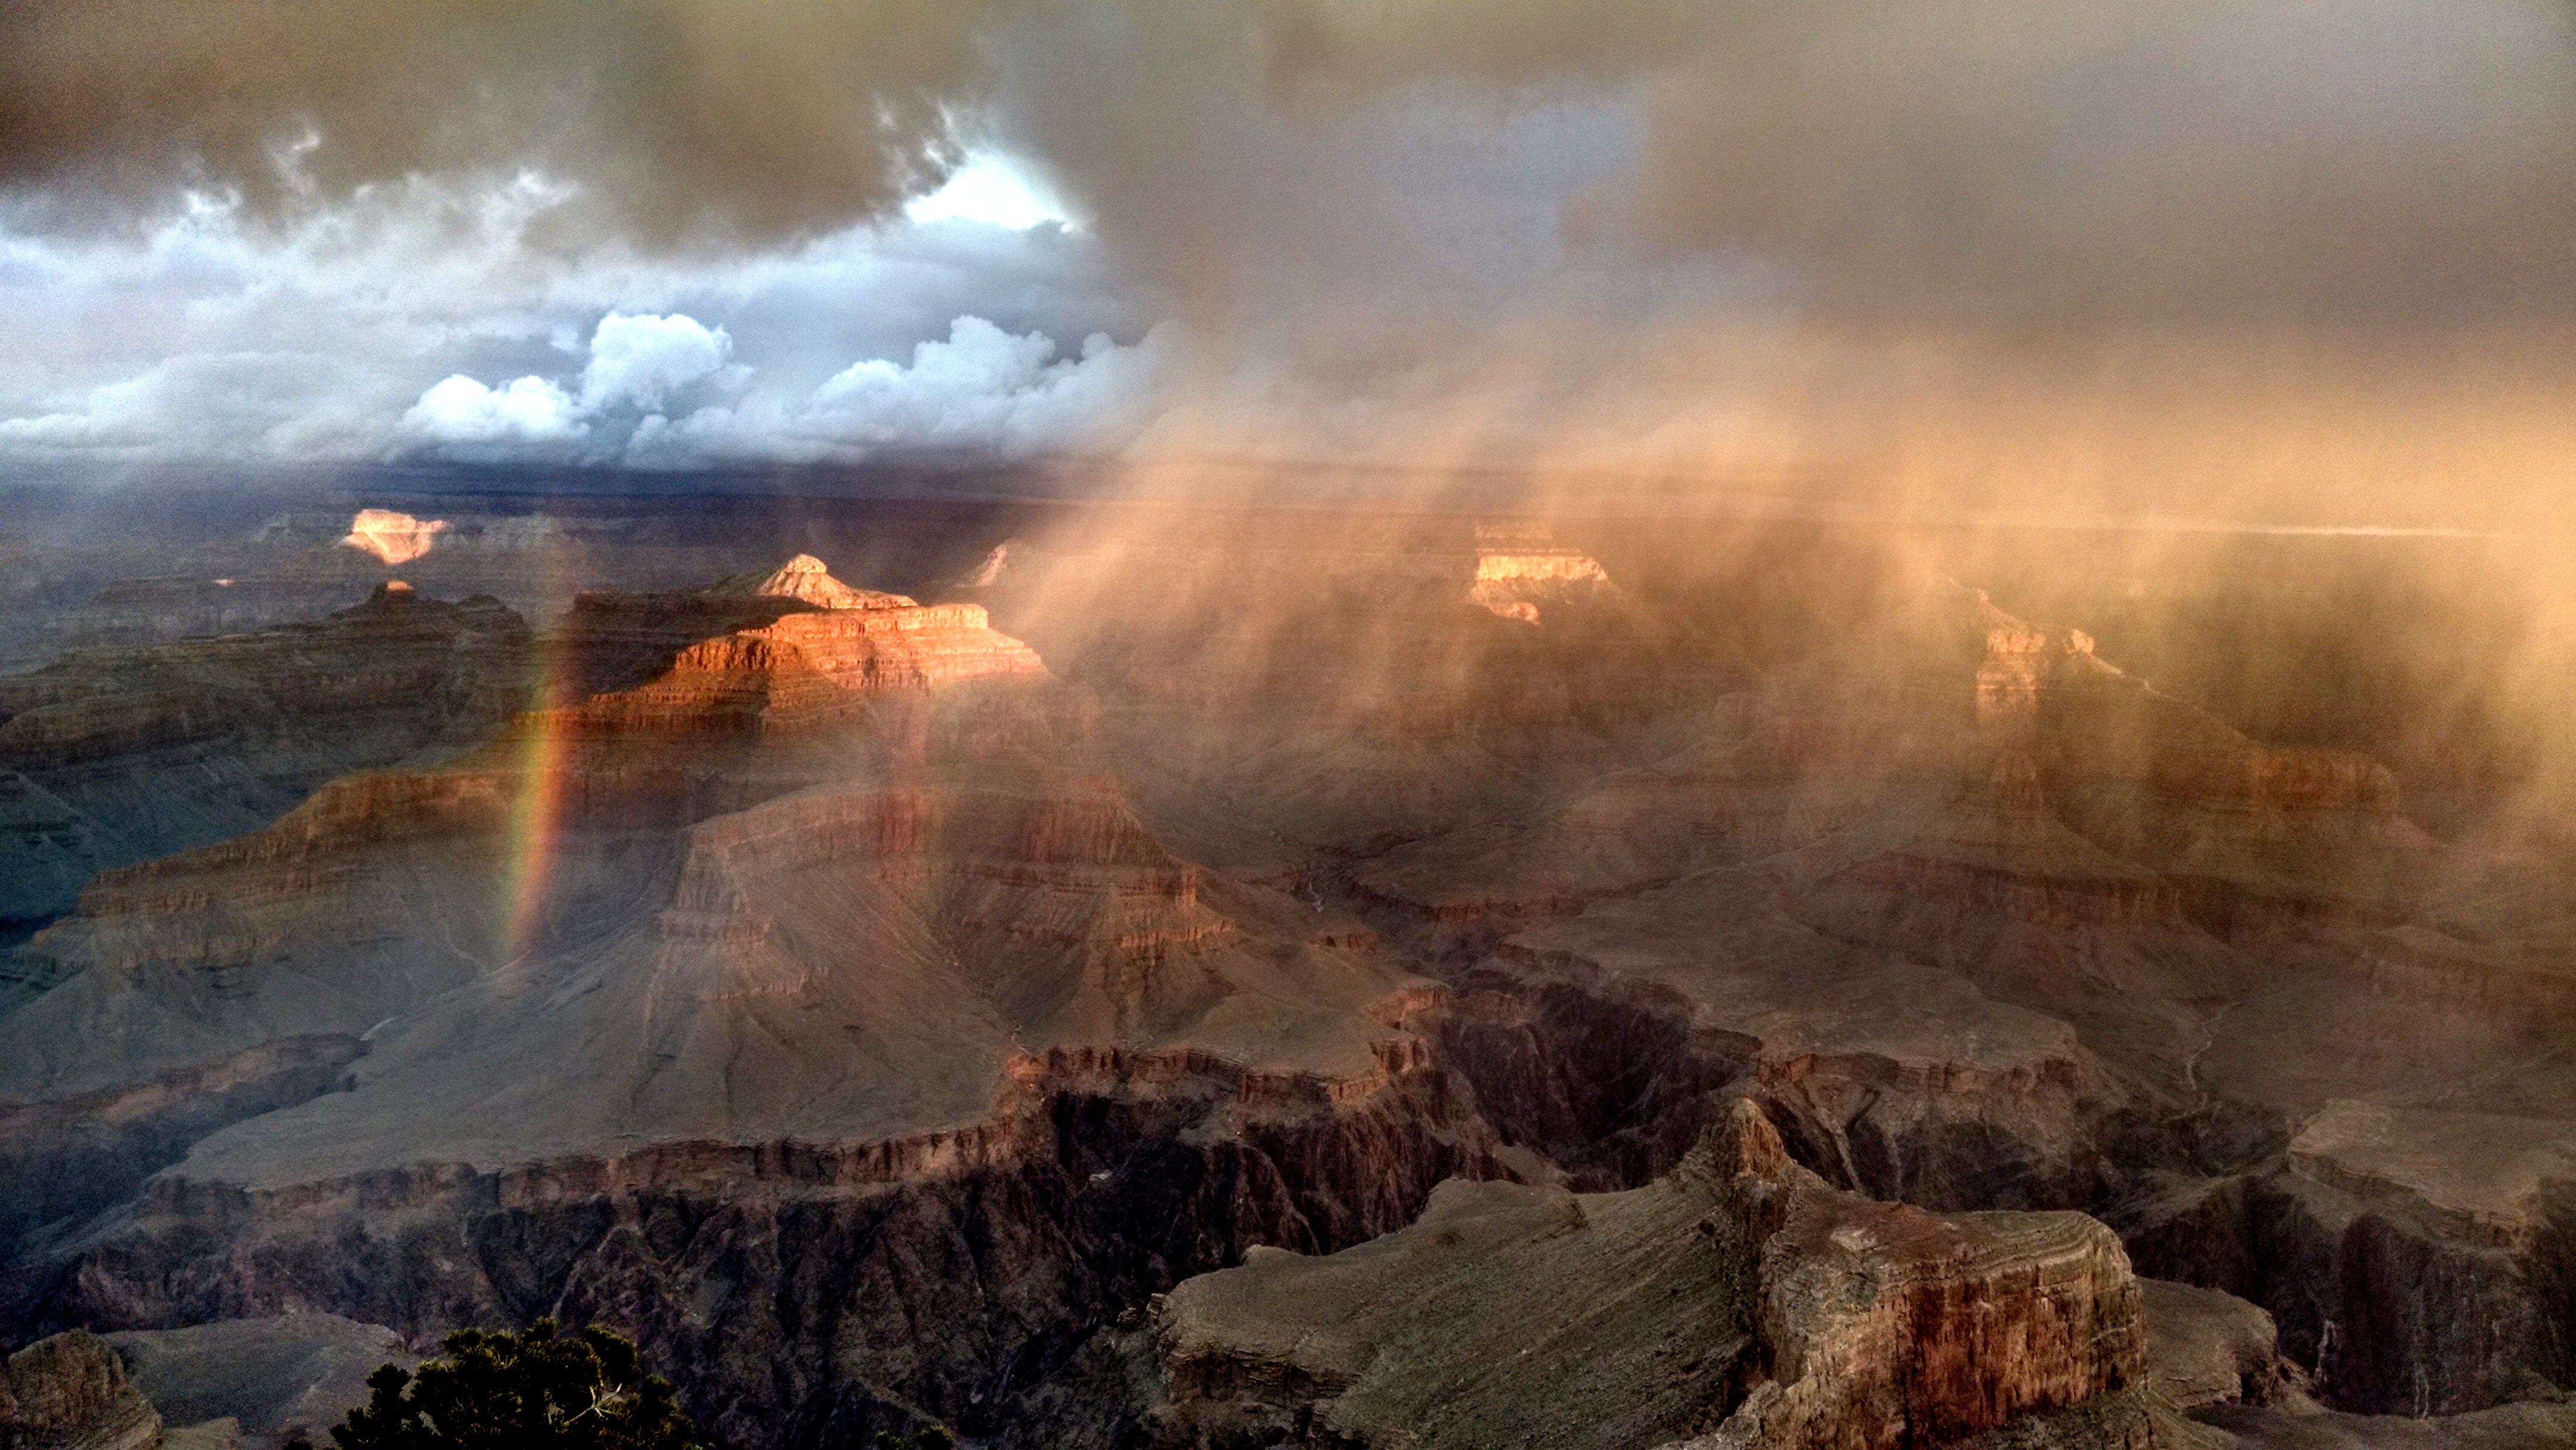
[874, 1004]
[116, 755]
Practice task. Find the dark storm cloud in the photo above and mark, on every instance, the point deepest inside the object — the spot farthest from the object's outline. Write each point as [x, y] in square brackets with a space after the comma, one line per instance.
[2240, 158]
[683, 120]
[2058, 159]
[2065, 157]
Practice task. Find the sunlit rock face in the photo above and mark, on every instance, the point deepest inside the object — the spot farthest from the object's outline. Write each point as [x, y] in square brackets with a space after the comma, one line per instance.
[807, 580]
[848, 893]
[784, 641]
[395, 538]
[880, 838]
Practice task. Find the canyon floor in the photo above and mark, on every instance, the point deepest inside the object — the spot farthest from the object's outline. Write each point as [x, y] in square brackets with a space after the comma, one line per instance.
[1190, 978]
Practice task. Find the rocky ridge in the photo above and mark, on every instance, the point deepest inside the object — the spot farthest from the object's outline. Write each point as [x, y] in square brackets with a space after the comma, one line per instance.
[114, 756]
[71, 1392]
[1734, 1302]
[1519, 570]
[2145, 965]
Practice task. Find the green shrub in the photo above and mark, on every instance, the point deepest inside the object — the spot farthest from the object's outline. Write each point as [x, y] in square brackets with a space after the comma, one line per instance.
[503, 1391]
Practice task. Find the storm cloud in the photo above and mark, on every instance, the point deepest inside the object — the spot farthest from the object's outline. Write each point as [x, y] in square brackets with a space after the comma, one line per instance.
[684, 122]
[2163, 155]
[2145, 251]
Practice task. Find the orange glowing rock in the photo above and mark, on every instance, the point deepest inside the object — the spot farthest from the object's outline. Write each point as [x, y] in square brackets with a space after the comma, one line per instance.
[395, 538]
[1519, 566]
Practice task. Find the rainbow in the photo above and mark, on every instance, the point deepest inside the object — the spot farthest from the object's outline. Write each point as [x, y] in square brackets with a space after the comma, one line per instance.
[539, 743]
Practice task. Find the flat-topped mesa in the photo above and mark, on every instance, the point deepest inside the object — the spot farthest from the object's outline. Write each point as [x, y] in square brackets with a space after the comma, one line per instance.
[777, 643]
[394, 653]
[865, 639]
[906, 646]
[395, 538]
[2484, 1178]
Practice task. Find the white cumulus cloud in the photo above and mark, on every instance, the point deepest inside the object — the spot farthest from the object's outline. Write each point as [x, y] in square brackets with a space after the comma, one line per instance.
[526, 410]
[641, 361]
[982, 388]
[421, 319]
[637, 363]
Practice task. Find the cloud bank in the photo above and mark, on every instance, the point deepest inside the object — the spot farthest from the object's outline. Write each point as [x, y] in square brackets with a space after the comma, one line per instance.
[981, 391]
[425, 320]
[2151, 156]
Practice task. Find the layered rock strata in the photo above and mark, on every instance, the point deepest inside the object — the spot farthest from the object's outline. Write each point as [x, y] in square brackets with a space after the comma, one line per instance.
[813, 1293]
[71, 1392]
[833, 936]
[877, 833]
[2126, 953]
[1736, 1302]
[113, 756]
[859, 950]
[63, 1160]
[2420, 1262]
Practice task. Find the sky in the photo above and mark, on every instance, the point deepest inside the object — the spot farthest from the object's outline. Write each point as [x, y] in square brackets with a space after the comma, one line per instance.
[2310, 262]
[421, 321]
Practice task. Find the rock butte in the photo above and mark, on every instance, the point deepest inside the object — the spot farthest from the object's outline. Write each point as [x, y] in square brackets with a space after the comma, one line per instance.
[874, 1017]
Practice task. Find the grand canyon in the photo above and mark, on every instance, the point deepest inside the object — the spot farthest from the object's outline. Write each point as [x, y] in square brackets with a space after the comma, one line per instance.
[1233, 979]
[1287, 725]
